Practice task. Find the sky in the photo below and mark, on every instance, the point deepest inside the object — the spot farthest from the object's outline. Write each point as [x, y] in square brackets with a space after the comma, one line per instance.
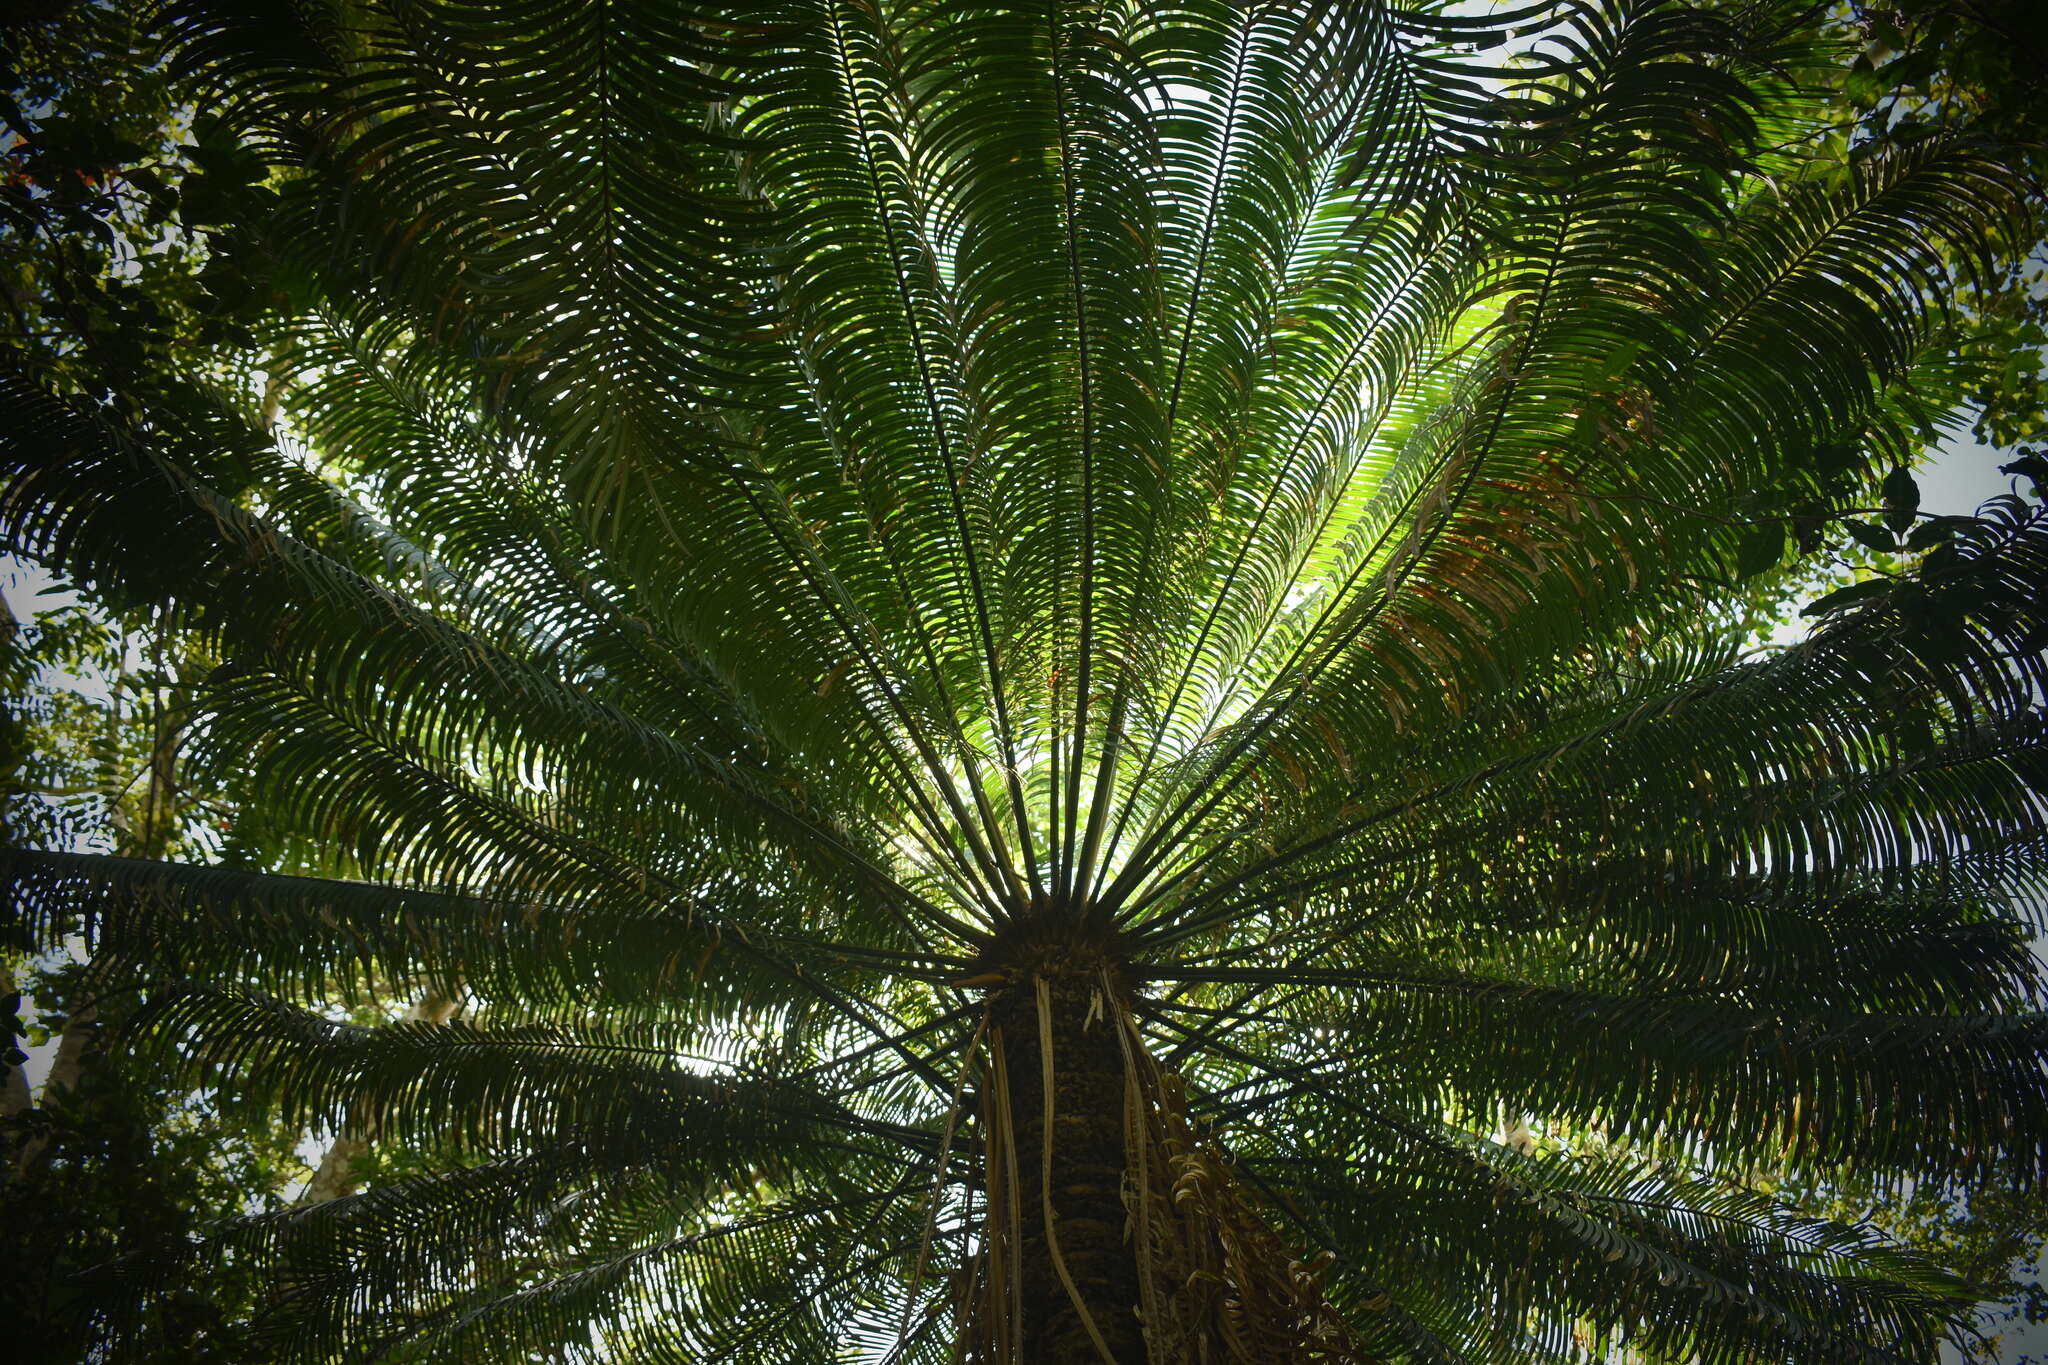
[1964, 473]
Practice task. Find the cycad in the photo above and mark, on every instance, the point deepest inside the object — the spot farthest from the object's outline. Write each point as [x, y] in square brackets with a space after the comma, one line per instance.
[833, 564]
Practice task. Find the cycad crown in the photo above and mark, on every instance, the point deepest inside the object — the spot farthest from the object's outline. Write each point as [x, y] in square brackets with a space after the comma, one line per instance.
[1044, 670]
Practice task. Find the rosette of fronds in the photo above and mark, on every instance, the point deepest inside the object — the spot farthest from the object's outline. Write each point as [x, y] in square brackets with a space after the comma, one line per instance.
[1044, 672]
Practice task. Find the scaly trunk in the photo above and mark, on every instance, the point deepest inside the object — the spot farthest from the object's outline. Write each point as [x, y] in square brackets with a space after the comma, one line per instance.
[1075, 1317]
[1113, 1230]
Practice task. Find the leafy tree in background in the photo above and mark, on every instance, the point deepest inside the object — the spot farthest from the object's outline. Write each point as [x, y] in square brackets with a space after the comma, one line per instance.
[1931, 65]
[1053, 676]
[106, 1158]
[107, 1155]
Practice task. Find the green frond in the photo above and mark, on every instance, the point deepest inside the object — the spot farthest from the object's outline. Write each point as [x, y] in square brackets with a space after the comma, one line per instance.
[1930, 748]
[1829, 1089]
[353, 941]
[1549, 1249]
[469, 1086]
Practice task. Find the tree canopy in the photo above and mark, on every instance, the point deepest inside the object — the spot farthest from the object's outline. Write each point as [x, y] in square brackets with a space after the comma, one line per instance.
[1057, 683]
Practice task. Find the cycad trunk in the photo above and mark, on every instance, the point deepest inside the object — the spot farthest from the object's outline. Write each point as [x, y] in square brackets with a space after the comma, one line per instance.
[1114, 1230]
[1073, 1169]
